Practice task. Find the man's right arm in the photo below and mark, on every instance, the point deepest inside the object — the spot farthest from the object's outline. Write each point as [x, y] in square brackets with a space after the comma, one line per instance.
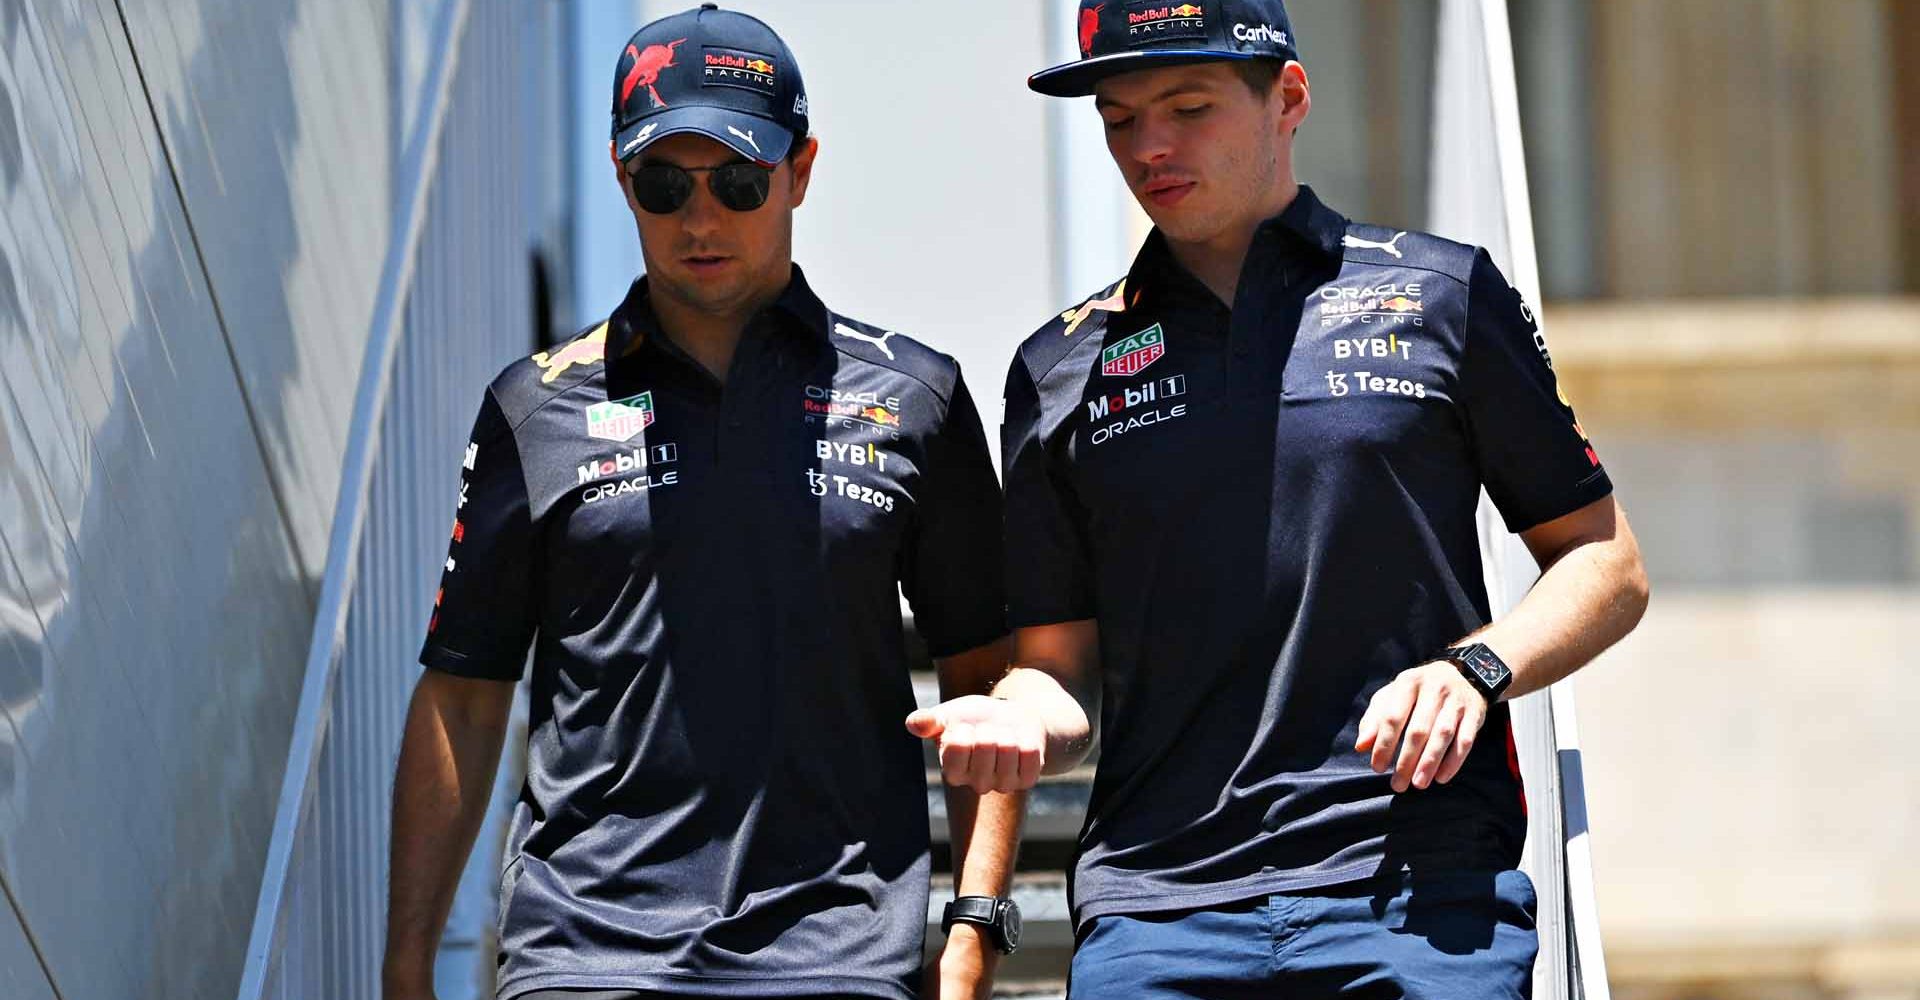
[448, 754]
[1042, 717]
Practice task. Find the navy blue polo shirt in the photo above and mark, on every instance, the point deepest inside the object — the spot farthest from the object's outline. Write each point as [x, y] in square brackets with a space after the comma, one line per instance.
[721, 797]
[1269, 509]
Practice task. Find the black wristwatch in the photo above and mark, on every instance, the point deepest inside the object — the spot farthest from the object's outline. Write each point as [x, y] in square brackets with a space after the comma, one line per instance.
[1001, 918]
[1482, 668]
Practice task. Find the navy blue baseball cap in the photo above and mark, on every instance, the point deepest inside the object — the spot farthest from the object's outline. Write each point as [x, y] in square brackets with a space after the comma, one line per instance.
[1121, 36]
[718, 73]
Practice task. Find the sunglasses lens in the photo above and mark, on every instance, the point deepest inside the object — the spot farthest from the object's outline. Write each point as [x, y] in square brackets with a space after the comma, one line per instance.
[661, 188]
[741, 187]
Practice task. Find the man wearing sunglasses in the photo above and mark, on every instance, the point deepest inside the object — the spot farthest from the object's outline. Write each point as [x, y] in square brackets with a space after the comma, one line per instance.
[700, 514]
[1241, 492]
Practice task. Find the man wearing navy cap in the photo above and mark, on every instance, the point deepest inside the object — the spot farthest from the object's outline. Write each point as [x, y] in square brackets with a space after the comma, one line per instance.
[699, 515]
[1241, 486]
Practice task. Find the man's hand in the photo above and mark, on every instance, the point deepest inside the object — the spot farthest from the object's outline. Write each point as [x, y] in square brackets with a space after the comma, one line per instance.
[986, 744]
[1437, 711]
[964, 968]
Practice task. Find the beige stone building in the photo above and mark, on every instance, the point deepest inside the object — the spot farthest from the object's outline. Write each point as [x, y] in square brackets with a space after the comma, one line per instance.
[1728, 196]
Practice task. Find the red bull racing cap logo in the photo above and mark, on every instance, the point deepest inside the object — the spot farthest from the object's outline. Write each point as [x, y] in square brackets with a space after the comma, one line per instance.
[724, 67]
[1156, 22]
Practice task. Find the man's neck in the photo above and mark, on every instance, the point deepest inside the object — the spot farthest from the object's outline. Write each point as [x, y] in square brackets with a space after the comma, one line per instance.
[711, 337]
[1217, 261]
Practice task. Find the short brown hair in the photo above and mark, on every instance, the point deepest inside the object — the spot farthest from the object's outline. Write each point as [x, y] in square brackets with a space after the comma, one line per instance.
[1259, 74]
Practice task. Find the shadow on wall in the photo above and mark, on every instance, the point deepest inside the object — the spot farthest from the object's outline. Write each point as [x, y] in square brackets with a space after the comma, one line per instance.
[154, 613]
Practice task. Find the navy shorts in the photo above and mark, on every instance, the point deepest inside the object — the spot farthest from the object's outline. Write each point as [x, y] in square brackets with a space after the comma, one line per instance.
[1431, 936]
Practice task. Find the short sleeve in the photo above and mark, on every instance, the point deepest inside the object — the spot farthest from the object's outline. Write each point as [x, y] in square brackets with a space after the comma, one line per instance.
[951, 572]
[483, 613]
[1049, 573]
[1532, 453]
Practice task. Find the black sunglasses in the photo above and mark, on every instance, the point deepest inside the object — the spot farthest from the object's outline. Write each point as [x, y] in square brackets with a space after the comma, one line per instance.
[663, 188]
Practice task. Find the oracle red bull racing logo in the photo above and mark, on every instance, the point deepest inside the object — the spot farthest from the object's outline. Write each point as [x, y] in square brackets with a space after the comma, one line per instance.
[1131, 355]
[861, 407]
[1379, 304]
[1152, 22]
[646, 69]
[620, 419]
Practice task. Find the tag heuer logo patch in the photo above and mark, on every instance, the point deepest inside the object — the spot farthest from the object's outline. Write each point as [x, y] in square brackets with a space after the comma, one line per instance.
[1129, 356]
[620, 419]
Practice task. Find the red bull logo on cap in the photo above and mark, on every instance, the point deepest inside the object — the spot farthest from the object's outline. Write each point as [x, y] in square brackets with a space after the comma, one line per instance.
[737, 68]
[1089, 27]
[646, 69]
[1153, 22]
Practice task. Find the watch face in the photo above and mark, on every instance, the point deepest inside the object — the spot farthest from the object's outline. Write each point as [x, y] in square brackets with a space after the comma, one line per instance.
[1010, 923]
[1488, 672]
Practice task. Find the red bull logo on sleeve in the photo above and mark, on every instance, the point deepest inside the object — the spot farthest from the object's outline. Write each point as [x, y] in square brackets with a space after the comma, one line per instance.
[1114, 301]
[585, 351]
[1131, 355]
[620, 419]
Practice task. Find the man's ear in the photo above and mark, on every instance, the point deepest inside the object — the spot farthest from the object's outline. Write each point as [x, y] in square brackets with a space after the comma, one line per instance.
[1296, 98]
[801, 160]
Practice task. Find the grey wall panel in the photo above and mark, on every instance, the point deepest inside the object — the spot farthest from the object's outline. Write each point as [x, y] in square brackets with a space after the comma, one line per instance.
[21, 977]
[153, 608]
[466, 314]
[278, 117]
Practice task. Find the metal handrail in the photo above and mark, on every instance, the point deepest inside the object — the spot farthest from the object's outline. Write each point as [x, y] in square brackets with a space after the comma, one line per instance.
[1571, 959]
[419, 163]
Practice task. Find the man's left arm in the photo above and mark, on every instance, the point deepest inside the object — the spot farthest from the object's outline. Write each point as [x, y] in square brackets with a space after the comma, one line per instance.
[1546, 480]
[1591, 592]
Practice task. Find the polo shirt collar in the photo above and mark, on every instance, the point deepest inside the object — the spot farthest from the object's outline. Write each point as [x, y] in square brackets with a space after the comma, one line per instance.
[633, 322]
[1305, 226]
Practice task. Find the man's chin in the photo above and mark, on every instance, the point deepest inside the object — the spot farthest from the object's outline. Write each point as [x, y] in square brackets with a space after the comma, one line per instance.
[1186, 227]
[717, 294]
